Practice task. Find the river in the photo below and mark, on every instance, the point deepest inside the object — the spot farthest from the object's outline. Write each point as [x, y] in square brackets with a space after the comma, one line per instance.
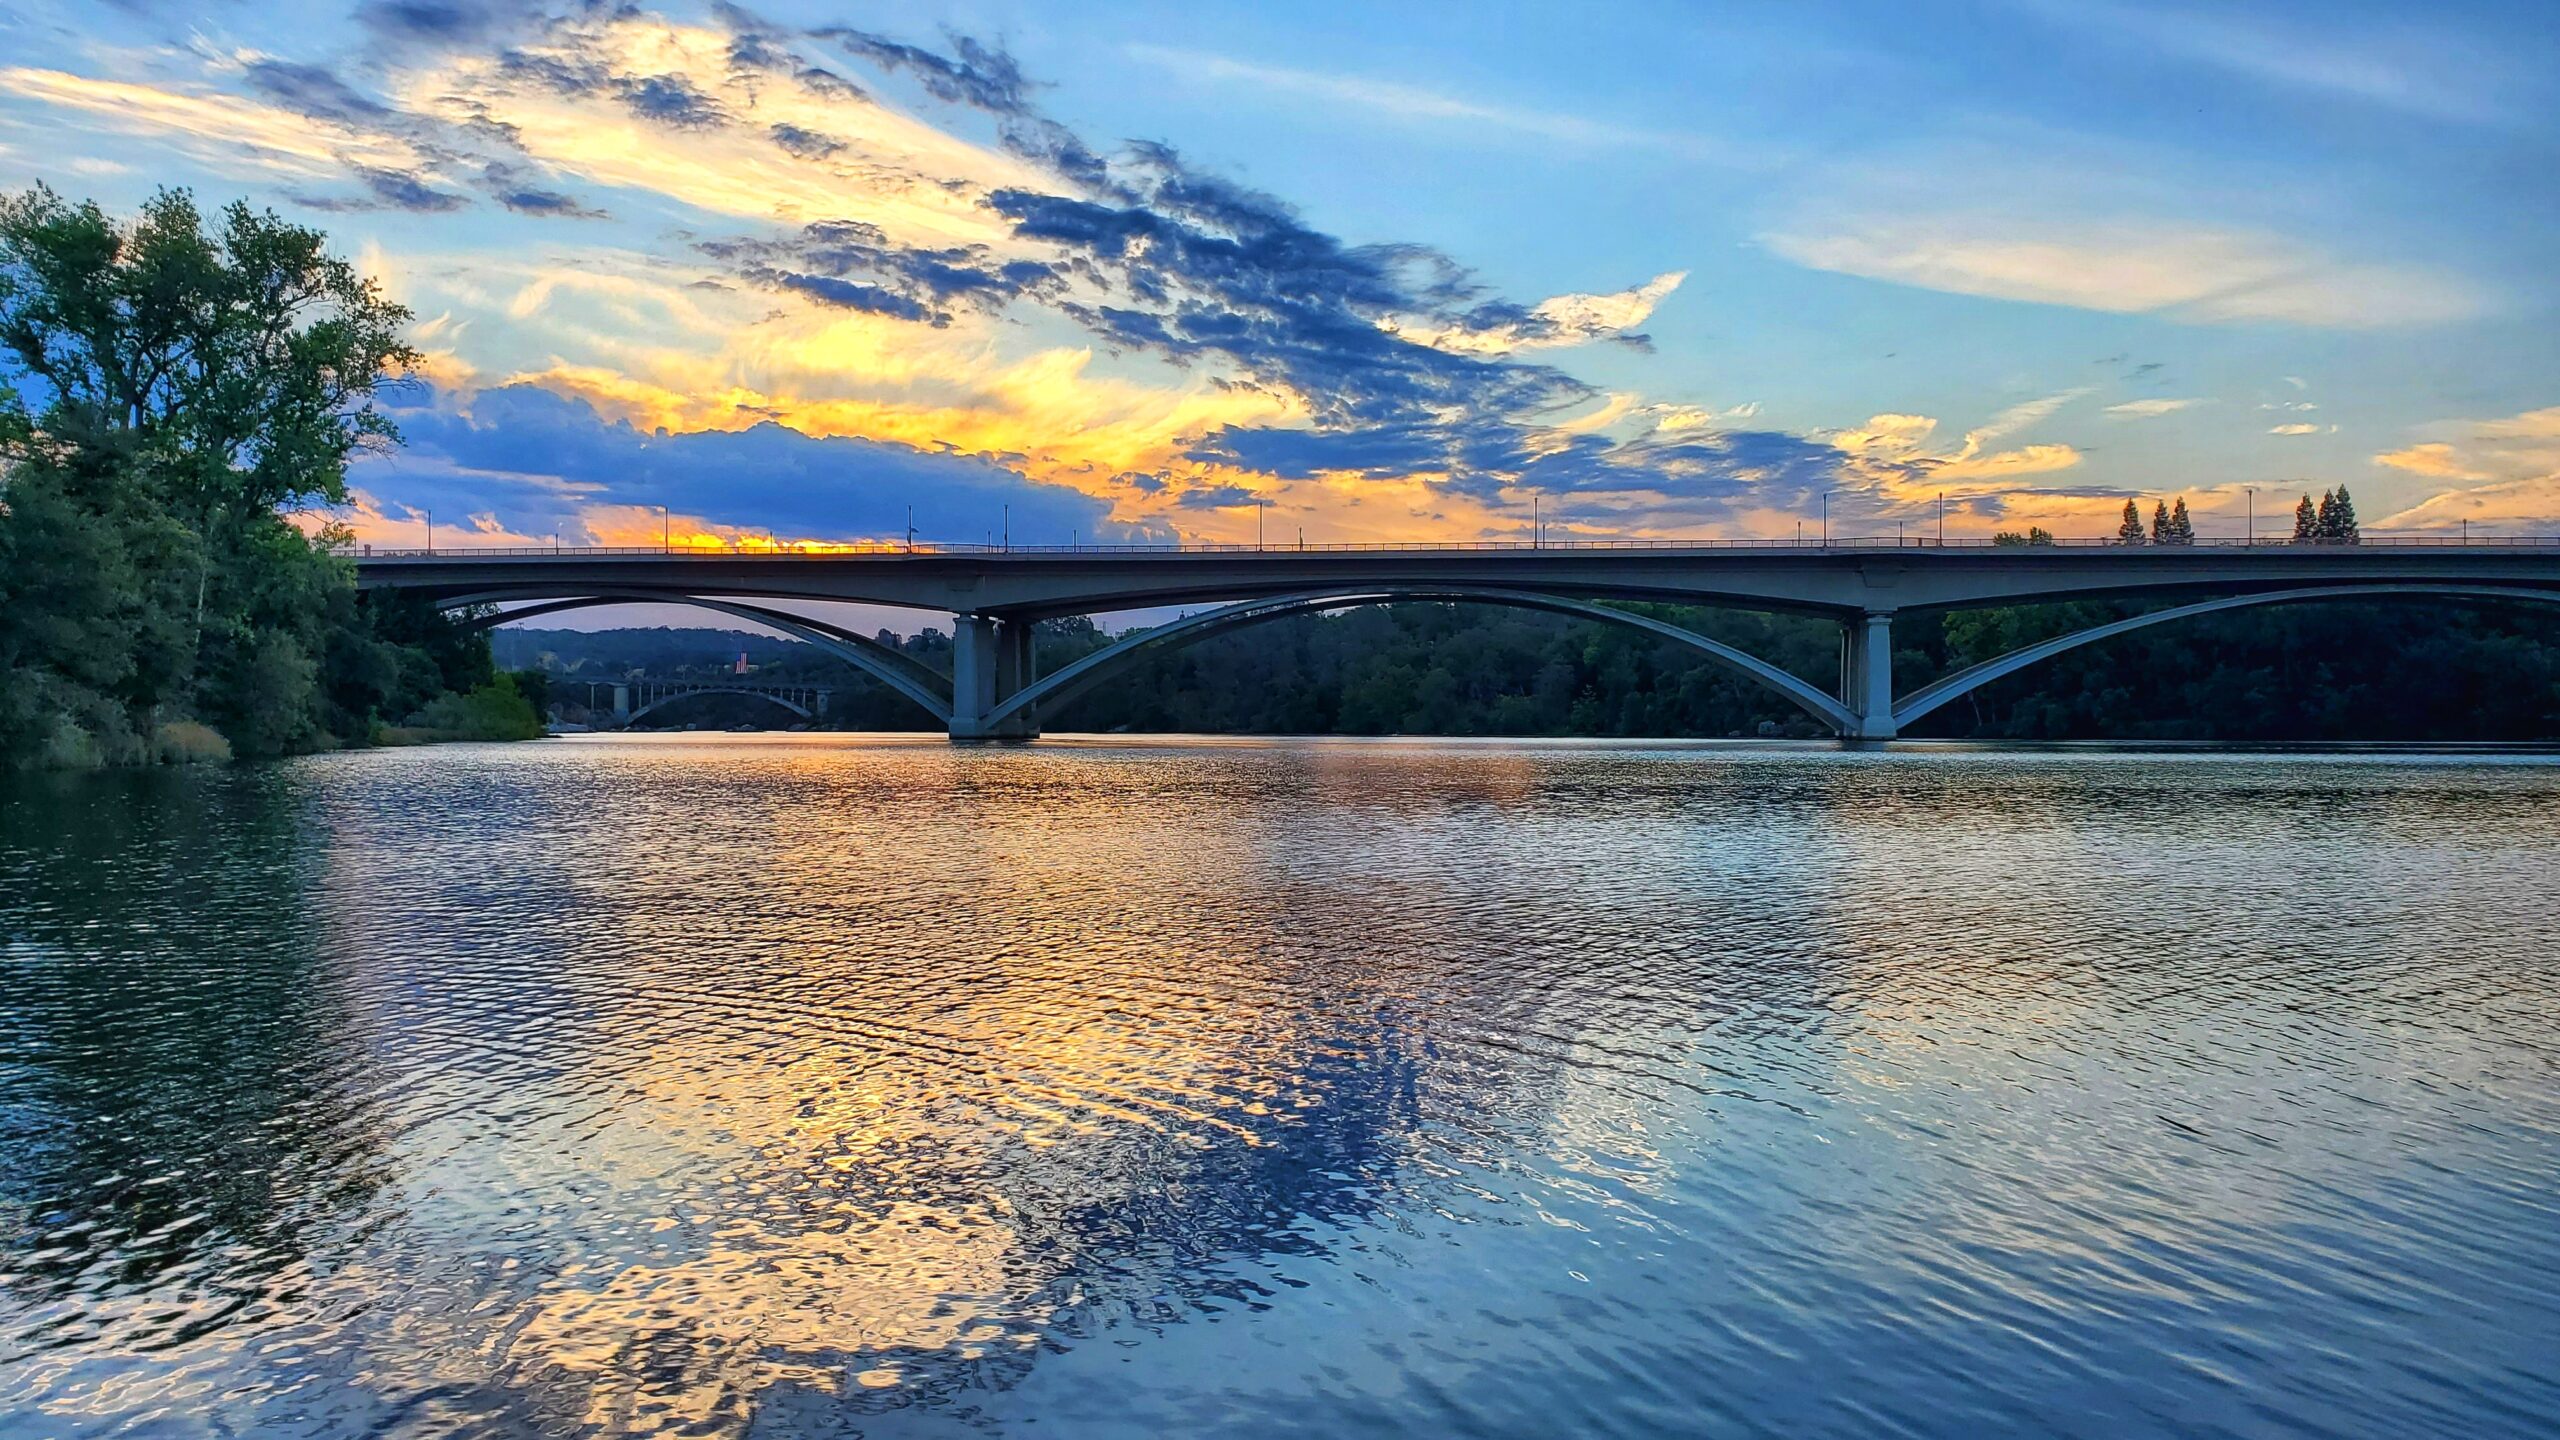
[825, 1085]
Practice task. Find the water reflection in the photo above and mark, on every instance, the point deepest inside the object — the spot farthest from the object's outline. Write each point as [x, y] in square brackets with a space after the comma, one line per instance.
[720, 1087]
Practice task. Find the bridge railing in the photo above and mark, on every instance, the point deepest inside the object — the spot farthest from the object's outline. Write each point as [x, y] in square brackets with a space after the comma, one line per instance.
[2370, 540]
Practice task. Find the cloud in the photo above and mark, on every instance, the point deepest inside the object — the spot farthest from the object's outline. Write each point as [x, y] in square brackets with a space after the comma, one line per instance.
[2189, 273]
[2436, 460]
[2501, 472]
[501, 181]
[225, 130]
[311, 90]
[2399, 72]
[2296, 428]
[1893, 449]
[1472, 117]
[432, 21]
[1556, 321]
[537, 463]
[2148, 409]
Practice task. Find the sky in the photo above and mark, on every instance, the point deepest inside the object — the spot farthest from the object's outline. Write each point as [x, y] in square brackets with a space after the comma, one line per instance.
[1136, 271]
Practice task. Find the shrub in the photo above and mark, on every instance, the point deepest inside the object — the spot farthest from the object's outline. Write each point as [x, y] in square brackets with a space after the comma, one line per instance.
[495, 711]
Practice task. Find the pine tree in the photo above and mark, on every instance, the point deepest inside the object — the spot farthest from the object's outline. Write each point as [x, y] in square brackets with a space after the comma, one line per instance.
[2306, 523]
[2160, 524]
[2341, 519]
[2130, 532]
[2325, 528]
[2182, 526]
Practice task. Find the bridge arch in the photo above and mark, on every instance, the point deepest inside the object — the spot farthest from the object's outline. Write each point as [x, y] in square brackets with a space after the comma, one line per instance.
[900, 672]
[663, 701]
[1073, 679]
[1973, 677]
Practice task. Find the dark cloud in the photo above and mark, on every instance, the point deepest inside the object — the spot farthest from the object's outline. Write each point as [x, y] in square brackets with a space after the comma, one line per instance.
[912, 283]
[531, 458]
[854, 295]
[437, 21]
[807, 144]
[311, 90]
[974, 74]
[503, 186]
[401, 190]
[670, 100]
[388, 190]
[1214, 497]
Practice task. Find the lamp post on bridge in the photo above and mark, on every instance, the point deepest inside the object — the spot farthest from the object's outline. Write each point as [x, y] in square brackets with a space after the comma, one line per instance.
[1826, 519]
[2253, 515]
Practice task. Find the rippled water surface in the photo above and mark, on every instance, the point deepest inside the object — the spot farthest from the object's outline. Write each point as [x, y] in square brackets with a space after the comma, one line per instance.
[822, 1086]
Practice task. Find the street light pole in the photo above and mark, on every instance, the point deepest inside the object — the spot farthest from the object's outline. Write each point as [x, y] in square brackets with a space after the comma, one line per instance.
[431, 532]
[2253, 515]
[1826, 519]
[666, 532]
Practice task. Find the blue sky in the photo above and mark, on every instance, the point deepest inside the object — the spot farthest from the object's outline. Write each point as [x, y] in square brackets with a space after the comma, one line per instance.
[1384, 272]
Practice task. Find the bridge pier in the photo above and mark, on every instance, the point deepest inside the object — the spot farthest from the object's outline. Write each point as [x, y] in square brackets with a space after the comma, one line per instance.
[621, 703]
[990, 663]
[1866, 678]
[1015, 668]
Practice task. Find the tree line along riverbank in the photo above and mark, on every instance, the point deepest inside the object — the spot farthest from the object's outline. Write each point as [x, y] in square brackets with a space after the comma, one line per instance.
[171, 389]
[2326, 672]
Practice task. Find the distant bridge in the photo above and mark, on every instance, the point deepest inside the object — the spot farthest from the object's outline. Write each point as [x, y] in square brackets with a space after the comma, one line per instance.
[995, 596]
[635, 698]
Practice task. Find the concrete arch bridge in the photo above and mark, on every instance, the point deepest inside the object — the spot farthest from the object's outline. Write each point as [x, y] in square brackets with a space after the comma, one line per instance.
[996, 596]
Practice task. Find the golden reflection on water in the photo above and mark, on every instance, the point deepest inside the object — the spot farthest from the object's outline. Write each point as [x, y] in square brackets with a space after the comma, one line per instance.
[717, 1088]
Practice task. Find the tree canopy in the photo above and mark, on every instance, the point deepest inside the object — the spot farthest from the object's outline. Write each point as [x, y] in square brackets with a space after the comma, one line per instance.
[169, 389]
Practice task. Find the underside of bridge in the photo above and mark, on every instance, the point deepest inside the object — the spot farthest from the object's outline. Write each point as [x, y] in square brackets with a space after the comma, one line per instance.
[995, 692]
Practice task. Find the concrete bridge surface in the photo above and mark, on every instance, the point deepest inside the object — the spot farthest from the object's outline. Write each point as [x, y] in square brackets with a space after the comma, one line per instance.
[996, 595]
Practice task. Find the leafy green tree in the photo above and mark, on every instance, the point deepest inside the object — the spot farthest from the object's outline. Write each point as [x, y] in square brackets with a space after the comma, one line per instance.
[2036, 535]
[169, 388]
[2130, 532]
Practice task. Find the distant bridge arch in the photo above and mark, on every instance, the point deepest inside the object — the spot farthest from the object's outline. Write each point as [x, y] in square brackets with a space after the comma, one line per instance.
[662, 696]
[901, 672]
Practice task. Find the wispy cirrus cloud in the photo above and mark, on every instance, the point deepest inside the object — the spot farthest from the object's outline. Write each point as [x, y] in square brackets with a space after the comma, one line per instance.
[2499, 472]
[2153, 408]
[1400, 100]
[2412, 68]
[2196, 274]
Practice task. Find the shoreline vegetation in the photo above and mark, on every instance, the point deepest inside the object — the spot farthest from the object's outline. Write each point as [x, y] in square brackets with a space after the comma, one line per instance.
[174, 391]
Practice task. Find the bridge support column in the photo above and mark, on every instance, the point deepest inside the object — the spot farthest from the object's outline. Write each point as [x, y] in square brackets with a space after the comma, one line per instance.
[1866, 682]
[1015, 668]
[621, 703]
[974, 665]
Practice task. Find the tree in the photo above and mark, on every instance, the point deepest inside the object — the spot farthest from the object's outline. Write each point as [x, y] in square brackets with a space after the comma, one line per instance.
[168, 389]
[2181, 528]
[2036, 535]
[2130, 532]
[2160, 532]
[2306, 523]
[2338, 518]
